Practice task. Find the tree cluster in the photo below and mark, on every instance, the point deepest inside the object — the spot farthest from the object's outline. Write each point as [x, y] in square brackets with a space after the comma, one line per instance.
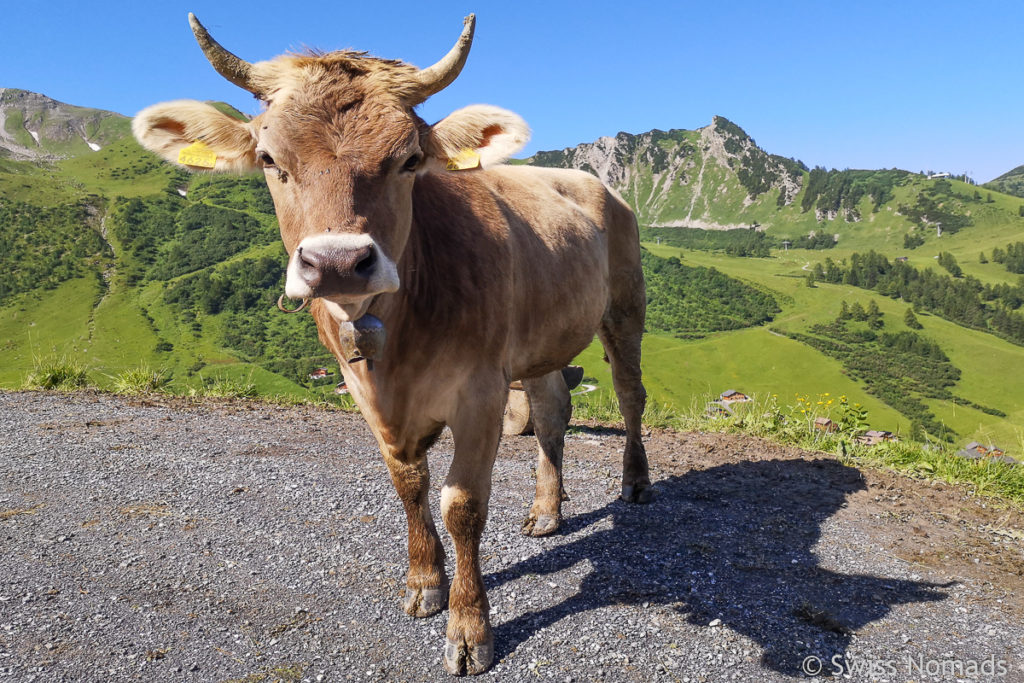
[166, 235]
[691, 302]
[750, 242]
[948, 261]
[42, 247]
[839, 192]
[1012, 257]
[817, 241]
[963, 300]
[245, 293]
[901, 368]
[939, 208]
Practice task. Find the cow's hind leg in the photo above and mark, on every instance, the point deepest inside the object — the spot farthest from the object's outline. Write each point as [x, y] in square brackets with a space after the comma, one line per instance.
[426, 591]
[620, 333]
[469, 647]
[550, 408]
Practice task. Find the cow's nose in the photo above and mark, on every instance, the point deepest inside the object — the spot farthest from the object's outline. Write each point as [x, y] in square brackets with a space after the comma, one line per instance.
[335, 269]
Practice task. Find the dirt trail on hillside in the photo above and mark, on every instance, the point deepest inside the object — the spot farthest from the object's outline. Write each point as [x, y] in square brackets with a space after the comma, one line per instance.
[160, 540]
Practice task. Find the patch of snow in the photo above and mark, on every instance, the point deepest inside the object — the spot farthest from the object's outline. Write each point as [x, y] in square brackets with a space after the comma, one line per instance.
[182, 191]
[35, 136]
[92, 145]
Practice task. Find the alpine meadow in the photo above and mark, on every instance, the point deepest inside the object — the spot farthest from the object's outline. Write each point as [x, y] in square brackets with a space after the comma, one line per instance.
[895, 292]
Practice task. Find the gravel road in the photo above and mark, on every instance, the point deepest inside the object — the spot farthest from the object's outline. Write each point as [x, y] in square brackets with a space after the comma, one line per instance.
[160, 540]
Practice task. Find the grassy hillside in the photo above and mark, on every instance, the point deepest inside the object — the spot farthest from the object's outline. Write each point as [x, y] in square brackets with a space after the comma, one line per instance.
[716, 177]
[757, 361]
[1011, 182]
[91, 245]
[116, 260]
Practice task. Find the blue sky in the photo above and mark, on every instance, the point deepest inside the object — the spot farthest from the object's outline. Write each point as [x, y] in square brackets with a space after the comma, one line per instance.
[916, 85]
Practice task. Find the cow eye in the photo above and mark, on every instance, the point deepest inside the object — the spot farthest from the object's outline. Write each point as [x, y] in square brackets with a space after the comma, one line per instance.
[264, 158]
[412, 163]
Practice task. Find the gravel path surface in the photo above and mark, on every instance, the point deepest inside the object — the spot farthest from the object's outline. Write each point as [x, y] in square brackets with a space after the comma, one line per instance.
[157, 540]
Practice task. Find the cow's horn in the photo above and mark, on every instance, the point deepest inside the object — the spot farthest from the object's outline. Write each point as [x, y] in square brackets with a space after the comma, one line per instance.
[439, 76]
[233, 68]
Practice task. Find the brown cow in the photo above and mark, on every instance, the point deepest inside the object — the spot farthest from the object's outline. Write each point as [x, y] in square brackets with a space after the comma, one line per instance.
[478, 277]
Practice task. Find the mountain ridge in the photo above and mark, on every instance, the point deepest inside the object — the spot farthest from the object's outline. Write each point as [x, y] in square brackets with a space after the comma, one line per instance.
[119, 259]
[34, 127]
[1011, 182]
[663, 173]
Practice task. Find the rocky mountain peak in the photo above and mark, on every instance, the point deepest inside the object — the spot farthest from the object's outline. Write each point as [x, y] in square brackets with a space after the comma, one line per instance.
[36, 127]
[671, 177]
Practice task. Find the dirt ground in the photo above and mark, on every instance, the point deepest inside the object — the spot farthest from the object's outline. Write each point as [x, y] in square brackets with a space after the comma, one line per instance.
[160, 539]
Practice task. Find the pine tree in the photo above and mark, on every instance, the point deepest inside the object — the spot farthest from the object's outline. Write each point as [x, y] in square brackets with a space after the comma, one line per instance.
[948, 261]
[982, 259]
[910, 320]
[874, 316]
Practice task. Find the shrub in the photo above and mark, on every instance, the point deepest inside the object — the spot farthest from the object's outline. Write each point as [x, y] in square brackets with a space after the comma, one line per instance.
[61, 374]
[141, 380]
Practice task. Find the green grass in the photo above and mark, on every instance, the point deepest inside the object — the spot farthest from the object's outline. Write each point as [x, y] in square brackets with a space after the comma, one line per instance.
[683, 373]
[60, 374]
[116, 332]
[48, 323]
[141, 380]
[791, 422]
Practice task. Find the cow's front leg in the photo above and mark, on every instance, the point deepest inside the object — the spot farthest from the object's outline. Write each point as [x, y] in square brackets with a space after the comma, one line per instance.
[426, 591]
[470, 644]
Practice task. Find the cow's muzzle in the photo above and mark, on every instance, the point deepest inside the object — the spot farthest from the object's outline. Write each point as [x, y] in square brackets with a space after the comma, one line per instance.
[343, 268]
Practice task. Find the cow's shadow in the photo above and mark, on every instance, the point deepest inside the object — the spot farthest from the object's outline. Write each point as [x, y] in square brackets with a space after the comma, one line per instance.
[737, 543]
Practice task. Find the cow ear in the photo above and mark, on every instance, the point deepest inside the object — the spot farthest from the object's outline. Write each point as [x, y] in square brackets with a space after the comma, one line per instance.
[478, 135]
[172, 129]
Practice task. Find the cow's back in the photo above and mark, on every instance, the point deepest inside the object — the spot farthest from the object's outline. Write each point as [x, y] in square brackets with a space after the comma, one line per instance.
[526, 254]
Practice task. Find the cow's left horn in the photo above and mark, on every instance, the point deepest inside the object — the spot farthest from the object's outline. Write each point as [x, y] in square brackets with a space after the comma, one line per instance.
[233, 68]
[439, 76]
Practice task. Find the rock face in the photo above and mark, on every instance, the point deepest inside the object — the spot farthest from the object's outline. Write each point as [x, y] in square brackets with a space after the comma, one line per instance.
[697, 178]
[37, 128]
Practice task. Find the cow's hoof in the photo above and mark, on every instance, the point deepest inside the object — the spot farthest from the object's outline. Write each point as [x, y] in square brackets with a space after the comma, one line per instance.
[425, 602]
[461, 658]
[541, 525]
[637, 493]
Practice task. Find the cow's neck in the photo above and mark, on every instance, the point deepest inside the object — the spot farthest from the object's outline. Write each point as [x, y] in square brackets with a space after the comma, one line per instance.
[450, 268]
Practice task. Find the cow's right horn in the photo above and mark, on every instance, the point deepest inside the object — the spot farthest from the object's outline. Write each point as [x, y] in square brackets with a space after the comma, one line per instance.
[439, 76]
[233, 68]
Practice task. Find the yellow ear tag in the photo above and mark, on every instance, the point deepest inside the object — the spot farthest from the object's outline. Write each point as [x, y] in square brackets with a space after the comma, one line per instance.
[465, 160]
[197, 154]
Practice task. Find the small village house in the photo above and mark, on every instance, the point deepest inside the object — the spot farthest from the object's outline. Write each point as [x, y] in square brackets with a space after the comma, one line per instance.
[874, 437]
[320, 373]
[989, 451]
[976, 449]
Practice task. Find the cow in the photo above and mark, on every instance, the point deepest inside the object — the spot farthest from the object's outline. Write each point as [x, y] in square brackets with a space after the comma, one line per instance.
[436, 276]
